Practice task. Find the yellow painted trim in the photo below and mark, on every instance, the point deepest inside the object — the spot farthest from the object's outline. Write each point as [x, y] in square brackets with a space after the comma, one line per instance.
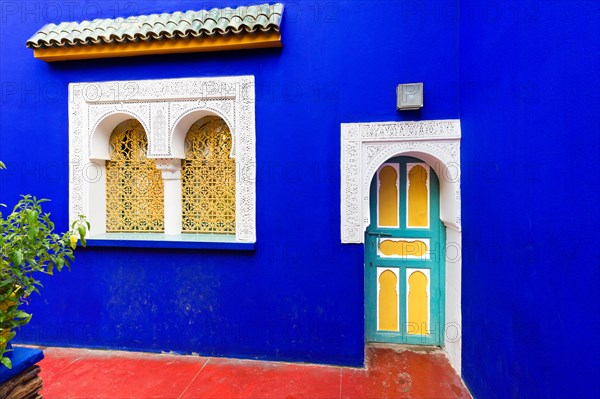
[189, 45]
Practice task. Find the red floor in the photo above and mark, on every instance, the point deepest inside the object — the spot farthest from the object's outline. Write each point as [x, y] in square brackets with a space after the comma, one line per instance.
[390, 373]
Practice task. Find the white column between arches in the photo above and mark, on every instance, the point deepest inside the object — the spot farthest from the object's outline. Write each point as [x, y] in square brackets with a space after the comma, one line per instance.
[171, 174]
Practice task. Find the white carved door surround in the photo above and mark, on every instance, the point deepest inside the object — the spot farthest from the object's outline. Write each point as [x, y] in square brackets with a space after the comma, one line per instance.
[166, 108]
[364, 147]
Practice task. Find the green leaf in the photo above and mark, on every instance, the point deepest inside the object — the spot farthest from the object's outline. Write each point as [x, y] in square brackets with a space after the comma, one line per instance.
[81, 230]
[18, 257]
[6, 362]
[6, 282]
[20, 314]
[31, 233]
[60, 262]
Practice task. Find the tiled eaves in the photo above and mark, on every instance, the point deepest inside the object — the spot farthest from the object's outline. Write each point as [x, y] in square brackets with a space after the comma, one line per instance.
[158, 27]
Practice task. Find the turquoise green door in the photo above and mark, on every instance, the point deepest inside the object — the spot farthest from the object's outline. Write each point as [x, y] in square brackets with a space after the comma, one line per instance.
[404, 256]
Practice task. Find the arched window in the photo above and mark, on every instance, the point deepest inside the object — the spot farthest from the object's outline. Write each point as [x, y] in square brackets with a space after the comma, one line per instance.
[134, 186]
[388, 197]
[418, 196]
[418, 304]
[388, 301]
[208, 179]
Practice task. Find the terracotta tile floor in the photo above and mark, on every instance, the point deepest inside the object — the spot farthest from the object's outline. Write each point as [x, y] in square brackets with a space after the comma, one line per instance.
[391, 372]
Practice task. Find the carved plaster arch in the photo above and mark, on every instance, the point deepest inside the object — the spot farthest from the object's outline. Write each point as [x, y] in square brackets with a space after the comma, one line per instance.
[437, 157]
[365, 146]
[182, 125]
[98, 147]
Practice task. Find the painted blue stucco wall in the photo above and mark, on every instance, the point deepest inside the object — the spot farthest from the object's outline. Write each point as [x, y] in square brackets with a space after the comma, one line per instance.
[530, 114]
[524, 80]
[299, 295]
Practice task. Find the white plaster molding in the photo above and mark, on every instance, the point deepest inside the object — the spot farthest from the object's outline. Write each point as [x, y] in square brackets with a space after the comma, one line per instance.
[170, 168]
[365, 146]
[164, 108]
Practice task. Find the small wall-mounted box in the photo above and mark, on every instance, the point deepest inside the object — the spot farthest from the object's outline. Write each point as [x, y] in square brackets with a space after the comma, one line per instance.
[409, 96]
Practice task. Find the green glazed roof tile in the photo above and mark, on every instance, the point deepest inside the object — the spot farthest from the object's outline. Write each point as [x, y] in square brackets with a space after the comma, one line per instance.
[217, 21]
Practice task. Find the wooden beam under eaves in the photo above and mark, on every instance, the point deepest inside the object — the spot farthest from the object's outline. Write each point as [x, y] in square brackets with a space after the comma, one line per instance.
[171, 46]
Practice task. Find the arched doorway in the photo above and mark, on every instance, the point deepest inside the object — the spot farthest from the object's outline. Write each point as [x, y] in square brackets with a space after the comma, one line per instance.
[405, 255]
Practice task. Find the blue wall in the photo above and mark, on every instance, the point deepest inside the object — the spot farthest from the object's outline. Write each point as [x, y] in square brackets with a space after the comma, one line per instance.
[299, 296]
[526, 90]
[530, 84]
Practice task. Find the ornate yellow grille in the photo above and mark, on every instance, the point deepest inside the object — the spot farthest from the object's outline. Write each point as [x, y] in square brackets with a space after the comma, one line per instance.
[134, 186]
[208, 179]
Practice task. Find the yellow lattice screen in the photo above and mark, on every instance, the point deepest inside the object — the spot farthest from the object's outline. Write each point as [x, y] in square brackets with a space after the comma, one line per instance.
[134, 186]
[208, 179]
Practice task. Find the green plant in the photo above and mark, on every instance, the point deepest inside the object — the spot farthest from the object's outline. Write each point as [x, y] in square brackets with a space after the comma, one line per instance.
[29, 247]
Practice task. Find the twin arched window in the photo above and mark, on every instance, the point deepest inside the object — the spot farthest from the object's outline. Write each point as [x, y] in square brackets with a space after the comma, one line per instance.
[135, 190]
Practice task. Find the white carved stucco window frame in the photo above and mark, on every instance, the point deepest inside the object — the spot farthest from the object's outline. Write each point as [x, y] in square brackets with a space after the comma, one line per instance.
[364, 148]
[166, 109]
